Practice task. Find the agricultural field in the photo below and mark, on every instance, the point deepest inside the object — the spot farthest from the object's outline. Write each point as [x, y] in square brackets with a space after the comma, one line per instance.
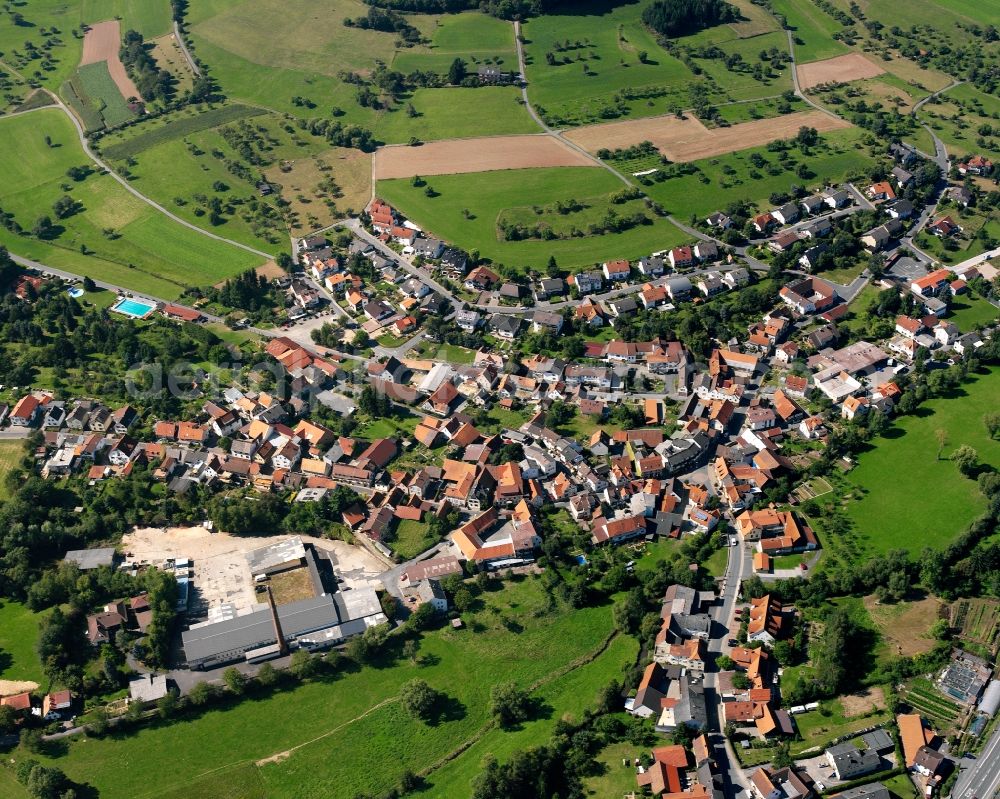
[718, 181]
[54, 56]
[94, 95]
[487, 195]
[245, 43]
[123, 240]
[472, 36]
[360, 719]
[209, 176]
[935, 502]
[812, 30]
[595, 57]
[977, 620]
[929, 702]
[18, 638]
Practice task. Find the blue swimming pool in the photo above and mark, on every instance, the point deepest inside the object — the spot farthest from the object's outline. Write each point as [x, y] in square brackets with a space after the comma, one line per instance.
[74, 292]
[137, 309]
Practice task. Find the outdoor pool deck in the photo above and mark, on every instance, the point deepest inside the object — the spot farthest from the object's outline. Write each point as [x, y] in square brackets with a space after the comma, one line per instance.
[135, 308]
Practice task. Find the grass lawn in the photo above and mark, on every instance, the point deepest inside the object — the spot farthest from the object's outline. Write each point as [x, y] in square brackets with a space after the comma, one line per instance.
[454, 354]
[502, 418]
[127, 241]
[717, 562]
[968, 313]
[900, 787]
[732, 177]
[324, 717]
[455, 112]
[412, 538]
[606, 43]
[389, 426]
[10, 787]
[11, 453]
[614, 779]
[934, 502]
[488, 194]
[812, 29]
[18, 639]
[820, 727]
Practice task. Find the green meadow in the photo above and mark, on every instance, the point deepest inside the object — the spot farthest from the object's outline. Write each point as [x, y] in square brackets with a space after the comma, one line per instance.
[928, 501]
[472, 36]
[18, 638]
[328, 733]
[598, 59]
[732, 177]
[113, 235]
[812, 29]
[488, 195]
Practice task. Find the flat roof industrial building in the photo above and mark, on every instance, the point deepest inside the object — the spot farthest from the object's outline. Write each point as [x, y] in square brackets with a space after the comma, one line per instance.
[313, 623]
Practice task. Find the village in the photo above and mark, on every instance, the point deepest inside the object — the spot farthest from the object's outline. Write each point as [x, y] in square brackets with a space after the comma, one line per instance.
[699, 452]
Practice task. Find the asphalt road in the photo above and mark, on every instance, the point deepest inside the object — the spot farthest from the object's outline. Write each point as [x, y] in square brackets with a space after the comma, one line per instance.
[981, 778]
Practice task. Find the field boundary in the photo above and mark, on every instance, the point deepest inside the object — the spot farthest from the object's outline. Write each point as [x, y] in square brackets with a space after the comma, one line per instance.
[102, 42]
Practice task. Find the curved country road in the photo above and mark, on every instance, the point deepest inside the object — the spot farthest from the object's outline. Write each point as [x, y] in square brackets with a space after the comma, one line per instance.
[130, 188]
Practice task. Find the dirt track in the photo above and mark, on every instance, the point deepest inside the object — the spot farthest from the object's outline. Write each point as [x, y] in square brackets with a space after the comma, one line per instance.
[486, 154]
[688, 139]
[842, 69]
[102, 42]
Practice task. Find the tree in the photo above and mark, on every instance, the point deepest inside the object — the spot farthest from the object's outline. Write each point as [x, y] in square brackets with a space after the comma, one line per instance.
[43, 228]
[303, 665]
[941, 436]
[201, 694]
[89, 285]
[782, 756]
[992, 422]
[740, 680]
[98, 724]
[457, 72]
[235, 680]
[267, 675]
[509, 704]
[410, 650]
[419, 699]
[8, 720]
[967, 460]
[45, 782]
[463, 599]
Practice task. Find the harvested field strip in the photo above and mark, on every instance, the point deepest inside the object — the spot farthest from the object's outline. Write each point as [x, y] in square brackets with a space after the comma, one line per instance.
[458, 156]
[102, 42]
[842, 69]
[177, 129]
[689, 140]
